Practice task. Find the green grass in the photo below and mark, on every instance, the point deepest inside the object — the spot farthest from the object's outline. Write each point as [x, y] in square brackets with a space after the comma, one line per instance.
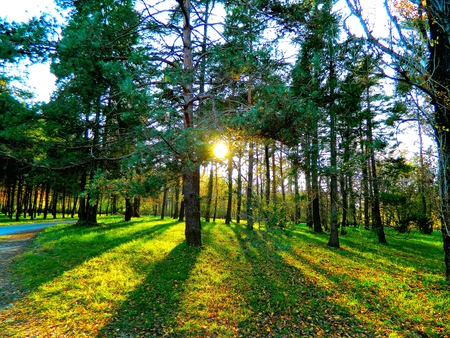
[138, 279]
[4, 220]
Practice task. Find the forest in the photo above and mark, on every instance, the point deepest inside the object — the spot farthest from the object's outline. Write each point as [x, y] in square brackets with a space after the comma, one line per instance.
[306, 106]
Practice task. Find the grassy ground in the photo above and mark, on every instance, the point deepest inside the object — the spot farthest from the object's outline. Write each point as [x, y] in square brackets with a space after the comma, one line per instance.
[138, 279]
[4, 220]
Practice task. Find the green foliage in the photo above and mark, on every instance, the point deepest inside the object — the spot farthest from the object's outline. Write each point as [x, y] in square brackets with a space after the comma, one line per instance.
[275, 216]
[30, 40]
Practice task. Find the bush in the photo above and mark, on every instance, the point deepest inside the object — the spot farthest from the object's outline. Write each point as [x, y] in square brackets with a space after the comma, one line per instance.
[423, 222]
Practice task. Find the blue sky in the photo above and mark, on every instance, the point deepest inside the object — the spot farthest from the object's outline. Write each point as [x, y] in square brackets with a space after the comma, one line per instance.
[38, 78]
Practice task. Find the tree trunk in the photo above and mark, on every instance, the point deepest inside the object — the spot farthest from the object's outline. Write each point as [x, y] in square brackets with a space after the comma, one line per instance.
[35, 200]
[283, 188]
[239, 189]
[63, 204]
[19, 197]
[334, 229]
[128, 209]
[249, 204]
[274, 175]
[74, 207]
[439, 69]
[47, 199]
[209, 194]
[315, 187]
[137, 207]
[376, 213]
[267, 163]
[54, 203]
[191, 175]
[216, 181]
[164, 202]
[297, 213]
[365, 183]
[177, 199]
[11, 194]
[191, 189]
[230, 190]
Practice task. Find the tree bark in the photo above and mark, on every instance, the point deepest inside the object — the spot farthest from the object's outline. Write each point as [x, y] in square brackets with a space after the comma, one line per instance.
[209, 194]
[191, 175]
[191, 182]
[334, 230]
[239, 190]
[376, 213]
[249, 204]
[128, 209]
[315, 188]
[137, 207]
[164, 202]
[230, 190]
[267, 164]
[439, 69]
[176, 210]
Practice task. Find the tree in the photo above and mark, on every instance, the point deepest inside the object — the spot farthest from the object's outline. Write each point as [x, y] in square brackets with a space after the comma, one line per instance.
[420, 57]
[91, 84]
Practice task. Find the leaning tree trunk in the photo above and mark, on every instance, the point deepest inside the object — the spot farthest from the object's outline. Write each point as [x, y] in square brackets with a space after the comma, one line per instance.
[439, 69]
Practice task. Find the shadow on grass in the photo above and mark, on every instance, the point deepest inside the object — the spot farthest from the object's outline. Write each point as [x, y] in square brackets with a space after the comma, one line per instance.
[365, 246]
[380, 287]
[63, 248]
[283, 299]
[153, 308]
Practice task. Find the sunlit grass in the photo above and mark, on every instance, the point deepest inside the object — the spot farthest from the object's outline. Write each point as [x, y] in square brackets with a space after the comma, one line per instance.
[5, 221]
[138, 279]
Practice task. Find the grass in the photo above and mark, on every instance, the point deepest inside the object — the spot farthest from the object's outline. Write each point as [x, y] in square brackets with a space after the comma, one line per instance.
[138, 279]
[4, 220]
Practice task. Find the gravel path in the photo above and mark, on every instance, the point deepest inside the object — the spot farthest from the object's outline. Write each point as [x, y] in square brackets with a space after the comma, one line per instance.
[10, 247]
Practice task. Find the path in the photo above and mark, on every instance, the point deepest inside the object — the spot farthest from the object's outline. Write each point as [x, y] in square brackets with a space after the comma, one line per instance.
[13, 229]
[14, 240]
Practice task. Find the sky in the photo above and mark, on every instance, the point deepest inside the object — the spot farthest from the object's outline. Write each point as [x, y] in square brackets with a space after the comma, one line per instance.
[38, 77]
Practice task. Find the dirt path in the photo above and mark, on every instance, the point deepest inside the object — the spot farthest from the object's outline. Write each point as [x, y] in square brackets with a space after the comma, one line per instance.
[10, 247]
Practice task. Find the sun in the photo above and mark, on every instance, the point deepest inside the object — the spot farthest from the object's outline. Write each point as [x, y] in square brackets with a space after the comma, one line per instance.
[220, 150]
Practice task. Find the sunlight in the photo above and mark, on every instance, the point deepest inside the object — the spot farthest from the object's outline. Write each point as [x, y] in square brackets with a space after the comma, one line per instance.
[220, 150]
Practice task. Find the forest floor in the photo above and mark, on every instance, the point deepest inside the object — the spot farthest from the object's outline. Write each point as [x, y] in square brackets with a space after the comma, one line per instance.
[11, 246]
[138, 279]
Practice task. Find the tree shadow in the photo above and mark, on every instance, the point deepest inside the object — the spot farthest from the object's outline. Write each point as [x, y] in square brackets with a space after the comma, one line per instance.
[349, 271]
[404, 252]
[64, 248]
[284, 300]
[151, 310]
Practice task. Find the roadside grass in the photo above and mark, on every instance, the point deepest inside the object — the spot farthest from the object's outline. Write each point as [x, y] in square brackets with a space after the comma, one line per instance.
[138, 279]
[4, 220]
